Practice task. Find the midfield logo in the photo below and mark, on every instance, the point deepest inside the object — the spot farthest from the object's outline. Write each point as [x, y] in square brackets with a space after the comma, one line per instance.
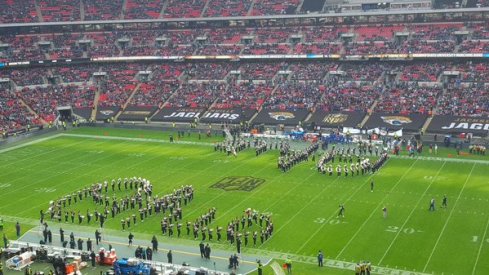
[238, 183]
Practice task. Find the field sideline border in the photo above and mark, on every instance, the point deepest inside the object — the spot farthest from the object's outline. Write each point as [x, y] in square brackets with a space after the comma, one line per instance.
[275, 255]
[301, 258]
[486, 162]
[411, 213]
[448, 219]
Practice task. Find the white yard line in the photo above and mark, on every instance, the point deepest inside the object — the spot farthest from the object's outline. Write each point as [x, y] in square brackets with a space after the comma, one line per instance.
[302, 209]
[448, 219]
[28, 143]
[374, 211]
[336, 211]
[140, 139]
[480, 247]
[410, 214]
[478, 161]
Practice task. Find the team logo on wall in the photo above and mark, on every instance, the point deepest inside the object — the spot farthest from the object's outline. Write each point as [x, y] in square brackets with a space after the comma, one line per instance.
[107, 112]
[280, 116]
[238, 183]
[335, 118]
[396, 120]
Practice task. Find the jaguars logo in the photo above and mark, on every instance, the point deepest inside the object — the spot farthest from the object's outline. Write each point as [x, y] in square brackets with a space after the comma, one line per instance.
[396, 120]
[238, 183]
[281, 116]
[107, 112]
[335, 118]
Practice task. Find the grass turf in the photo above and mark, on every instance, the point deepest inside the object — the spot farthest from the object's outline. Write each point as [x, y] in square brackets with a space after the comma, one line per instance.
[302, 202]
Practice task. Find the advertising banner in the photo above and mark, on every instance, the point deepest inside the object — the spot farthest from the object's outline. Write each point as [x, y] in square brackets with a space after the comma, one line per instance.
[457, 124]
[336, 119]
[411, 122]
[277, 116]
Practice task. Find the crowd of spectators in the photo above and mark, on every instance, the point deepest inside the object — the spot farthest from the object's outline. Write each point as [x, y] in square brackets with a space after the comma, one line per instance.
[45, 99]
[427, 72]
[71, 10]
[184, 8]
[349, 97]
[25, 77]
[474, 46]
[294, 95]
[218, 8]
[245, 95]
[14, 11]
[255, 71]
[79, 73]
[229, 41]
[13, 115]
[407, 98]
[119, 83]
[312, 71]
[251, 86]
[208, 71]
[473, 72]
[197, 95]
[464, 101]
[154, 93]
[60, 10]
[273, 7]
[143, 9]
[102, 9]
[320, 48]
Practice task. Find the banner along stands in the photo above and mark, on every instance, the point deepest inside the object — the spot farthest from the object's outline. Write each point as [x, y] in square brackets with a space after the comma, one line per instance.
[233, 116]
[457, 124]
[83, 112]
[178, 115]
[276, 117]
[336, 119]
[104, 113]
[137, 113]
[411, 122]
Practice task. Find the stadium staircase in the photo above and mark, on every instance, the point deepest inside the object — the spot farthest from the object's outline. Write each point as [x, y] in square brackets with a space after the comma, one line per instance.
[127, 101]
[93, 116]
[82, 10]
[205, 8]
[368, 114]
[31, 111]
[250, 11]
[38, 11]
[163, 9]
[299, 7]
[124, 9]
[426, 124]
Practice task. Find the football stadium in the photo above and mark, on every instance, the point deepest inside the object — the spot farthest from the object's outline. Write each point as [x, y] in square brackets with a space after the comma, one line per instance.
[244, 137]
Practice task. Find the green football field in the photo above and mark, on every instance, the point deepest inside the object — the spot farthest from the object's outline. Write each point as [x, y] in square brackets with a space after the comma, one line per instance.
[303, 203]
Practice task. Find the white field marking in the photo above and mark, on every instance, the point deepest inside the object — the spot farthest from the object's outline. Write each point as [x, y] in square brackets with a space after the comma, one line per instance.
[448, 219]
[74, 178]
[290, 190]
[8, 163]
[410, 214]
[344, 202]
[275, 232]
[480, 248]
[478, 161]
[81, 156]
[28, 143]
[334, 213]
[223, 193]
[139, 139]
[132, 166]
[375, 210]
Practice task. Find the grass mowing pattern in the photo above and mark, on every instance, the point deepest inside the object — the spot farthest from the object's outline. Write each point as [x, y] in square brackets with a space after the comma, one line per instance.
[304, 203]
